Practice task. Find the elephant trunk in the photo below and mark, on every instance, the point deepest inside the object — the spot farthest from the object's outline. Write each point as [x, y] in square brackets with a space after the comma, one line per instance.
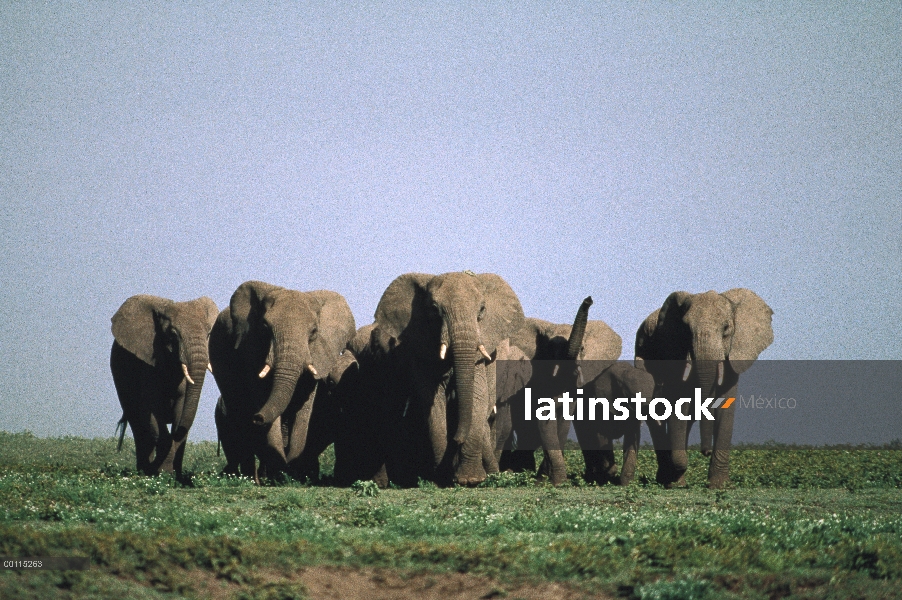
[578, 332]
[709, 358]
[285, 379]
[464, 344]
[195, 369]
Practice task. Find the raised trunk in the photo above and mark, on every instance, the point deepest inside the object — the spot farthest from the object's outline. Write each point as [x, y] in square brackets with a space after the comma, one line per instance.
[463, 346]
[578, 332]
[285, 379]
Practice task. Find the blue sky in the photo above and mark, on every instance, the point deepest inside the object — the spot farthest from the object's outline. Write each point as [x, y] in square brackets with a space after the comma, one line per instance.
[573, 148]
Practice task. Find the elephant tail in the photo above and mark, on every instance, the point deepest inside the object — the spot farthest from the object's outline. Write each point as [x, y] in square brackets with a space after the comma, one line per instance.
[218, 446]
[121, 424]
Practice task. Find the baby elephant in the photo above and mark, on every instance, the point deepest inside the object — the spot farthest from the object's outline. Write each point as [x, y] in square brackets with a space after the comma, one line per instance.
[596, 438]
[159, 359]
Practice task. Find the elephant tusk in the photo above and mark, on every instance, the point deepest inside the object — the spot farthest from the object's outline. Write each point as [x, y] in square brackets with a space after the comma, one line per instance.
[263, 372]
[312, 370]
[209, 367]
[720, 373]
[487, 356]
[579, 376]
[688, 370]
[185, 371]
[406, 406]
[442, 351]
[556, 368]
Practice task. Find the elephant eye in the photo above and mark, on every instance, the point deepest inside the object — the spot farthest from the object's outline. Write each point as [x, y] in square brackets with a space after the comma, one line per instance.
[313, 335]
[481, 313]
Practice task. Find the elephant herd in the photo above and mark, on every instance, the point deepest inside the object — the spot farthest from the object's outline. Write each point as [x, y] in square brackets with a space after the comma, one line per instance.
[419, 393]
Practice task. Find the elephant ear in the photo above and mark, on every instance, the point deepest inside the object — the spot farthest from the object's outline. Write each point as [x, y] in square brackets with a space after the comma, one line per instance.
[514, 375]
[752, 328]
[672, 338]
[135, 325]
[645, 343]
[211, 311]
[532, 336]
[335, 329]
[601, 348]
[649, 355]
[404, 305]
[503, 312]
[246, 306]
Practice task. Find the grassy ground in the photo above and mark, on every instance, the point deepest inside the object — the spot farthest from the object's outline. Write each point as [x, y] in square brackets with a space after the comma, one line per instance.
[796, 523]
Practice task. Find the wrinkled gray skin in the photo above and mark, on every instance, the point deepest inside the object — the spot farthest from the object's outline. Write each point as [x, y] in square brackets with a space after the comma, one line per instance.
[158, 341]
[270, 349]
[417, 314]
[620, 380]
[705, 332]
[589, 345]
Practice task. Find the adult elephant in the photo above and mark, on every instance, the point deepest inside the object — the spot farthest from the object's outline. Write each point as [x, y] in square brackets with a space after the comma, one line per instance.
[270, 349]
[446, 330]
[159, 360]
[702, 341]
[563, 358]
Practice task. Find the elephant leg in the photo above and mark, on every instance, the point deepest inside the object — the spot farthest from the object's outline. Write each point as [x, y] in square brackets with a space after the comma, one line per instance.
[297, 440]
[590, 442]
[489, 458]
[630, 452]
[503, 429]
[660, 439]
[678, 434]
[706, 429]
[554, 465]
[162, 444]
[437, 422]
[381, 477]
[719, 467]
[179, 457]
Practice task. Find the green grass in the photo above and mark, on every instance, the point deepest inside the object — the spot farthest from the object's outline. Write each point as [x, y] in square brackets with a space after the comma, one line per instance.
[801, 522]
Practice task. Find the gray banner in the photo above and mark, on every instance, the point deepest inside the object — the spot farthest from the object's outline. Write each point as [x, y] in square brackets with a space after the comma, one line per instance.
[811, 403]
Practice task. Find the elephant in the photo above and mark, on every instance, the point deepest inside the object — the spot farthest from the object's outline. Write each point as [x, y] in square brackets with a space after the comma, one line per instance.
[269, 349]
[589, 347]
[620, 380]
[380, 436]
[702, 341]
[444, 331]
[159, 359]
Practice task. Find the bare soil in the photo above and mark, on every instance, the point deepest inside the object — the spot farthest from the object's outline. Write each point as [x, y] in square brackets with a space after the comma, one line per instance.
[345, 583]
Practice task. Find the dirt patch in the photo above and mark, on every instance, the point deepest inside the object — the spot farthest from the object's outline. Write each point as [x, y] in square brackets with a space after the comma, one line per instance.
[347, 583]
[377, 584]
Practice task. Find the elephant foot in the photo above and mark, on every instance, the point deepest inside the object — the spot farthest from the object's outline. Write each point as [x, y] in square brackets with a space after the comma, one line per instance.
[472, 476]
[716, 483]
[707, 451]
[381, 477]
